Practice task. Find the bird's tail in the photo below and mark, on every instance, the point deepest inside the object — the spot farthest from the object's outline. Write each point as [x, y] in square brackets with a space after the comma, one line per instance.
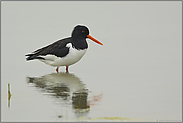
[32, 57]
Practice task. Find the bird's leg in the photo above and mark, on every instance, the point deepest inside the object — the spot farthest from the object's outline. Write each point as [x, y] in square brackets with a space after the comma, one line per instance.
[57, 69]
[67, 69]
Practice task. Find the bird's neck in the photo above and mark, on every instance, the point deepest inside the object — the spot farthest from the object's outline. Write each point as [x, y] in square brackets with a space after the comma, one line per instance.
[79, 43]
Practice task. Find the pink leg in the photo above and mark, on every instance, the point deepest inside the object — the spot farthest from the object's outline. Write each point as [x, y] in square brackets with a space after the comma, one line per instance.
[57, 69]
[67, 69]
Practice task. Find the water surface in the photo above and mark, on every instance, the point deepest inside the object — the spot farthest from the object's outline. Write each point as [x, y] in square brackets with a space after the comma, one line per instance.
[134, 76]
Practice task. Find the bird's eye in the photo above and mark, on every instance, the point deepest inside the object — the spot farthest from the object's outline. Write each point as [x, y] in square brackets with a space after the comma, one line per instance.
[83, 31]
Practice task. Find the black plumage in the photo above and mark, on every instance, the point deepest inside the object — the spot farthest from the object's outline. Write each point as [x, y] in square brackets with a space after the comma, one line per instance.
[59, 48]
[64, 52]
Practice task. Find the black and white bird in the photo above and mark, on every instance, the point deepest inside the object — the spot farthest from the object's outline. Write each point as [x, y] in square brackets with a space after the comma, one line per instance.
[64, 52]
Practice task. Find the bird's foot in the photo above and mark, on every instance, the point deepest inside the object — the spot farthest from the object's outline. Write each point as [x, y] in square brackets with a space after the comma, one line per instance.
[57, 69]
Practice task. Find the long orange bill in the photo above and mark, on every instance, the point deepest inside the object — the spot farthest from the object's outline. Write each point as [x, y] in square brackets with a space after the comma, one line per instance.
[95, 40]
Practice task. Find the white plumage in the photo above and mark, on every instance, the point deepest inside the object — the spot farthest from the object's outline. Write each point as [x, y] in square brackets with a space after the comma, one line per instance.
[72, 57]
[64, 52]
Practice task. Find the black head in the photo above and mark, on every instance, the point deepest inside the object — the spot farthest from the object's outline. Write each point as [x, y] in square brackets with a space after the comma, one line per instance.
[80, 32]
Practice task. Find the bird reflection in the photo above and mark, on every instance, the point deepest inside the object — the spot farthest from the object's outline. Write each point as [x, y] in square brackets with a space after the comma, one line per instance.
[66, 86]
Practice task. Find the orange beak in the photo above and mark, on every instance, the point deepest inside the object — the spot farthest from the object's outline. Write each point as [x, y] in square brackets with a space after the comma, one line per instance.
[95, 40]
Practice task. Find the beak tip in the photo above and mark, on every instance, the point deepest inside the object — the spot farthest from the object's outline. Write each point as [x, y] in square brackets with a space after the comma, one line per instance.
[90, 37]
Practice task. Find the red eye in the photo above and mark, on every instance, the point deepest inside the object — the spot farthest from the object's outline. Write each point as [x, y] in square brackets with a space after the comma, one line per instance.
[83, 31]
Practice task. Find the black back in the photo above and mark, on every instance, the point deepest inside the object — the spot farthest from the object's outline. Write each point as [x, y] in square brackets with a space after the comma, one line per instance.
[59, 48]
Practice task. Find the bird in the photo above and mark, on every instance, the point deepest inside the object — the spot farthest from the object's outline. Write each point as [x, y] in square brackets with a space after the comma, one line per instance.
[64, 52]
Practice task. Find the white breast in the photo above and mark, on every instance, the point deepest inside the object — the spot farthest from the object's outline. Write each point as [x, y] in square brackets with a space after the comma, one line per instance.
[72, 57]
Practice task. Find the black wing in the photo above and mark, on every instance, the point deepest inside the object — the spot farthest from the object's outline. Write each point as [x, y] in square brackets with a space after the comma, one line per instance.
[57, 48]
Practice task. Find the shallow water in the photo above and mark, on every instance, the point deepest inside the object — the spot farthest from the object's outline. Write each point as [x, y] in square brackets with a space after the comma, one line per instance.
[134, 76]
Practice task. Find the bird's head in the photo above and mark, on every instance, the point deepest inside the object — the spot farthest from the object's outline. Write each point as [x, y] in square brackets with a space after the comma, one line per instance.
[82, 32]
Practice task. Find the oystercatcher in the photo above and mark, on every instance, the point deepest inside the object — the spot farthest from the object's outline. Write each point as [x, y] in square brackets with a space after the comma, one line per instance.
[64, 52]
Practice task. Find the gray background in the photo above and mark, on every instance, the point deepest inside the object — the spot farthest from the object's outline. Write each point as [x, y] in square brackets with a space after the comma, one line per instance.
[137, 70]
